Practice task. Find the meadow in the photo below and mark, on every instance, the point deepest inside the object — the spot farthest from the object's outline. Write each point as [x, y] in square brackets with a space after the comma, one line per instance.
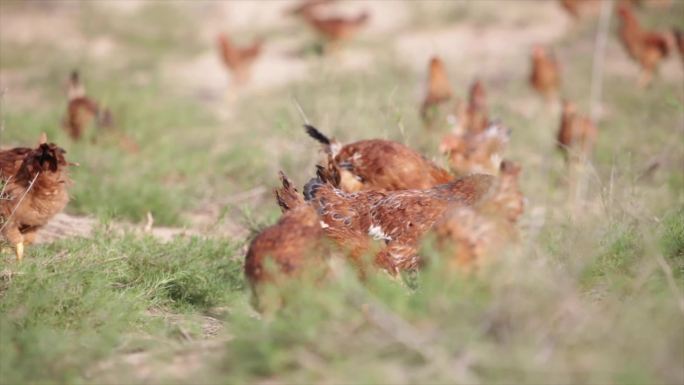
[592, 293]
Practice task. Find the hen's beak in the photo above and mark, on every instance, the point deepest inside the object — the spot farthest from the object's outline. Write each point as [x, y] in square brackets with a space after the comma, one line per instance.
[74, 164]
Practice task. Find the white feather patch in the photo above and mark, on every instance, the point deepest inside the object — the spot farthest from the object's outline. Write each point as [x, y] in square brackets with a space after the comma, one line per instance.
[376, 232]
[335, 148]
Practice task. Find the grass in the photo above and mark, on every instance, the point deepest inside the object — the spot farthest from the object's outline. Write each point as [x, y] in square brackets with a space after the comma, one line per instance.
[583, 298]
[85, 294]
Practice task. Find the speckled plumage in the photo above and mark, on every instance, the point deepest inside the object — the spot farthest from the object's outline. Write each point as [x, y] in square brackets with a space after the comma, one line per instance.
[25, 208]
[399, 218]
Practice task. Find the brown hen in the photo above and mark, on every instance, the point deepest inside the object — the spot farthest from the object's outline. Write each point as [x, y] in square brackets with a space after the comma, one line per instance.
[438, 92]
[336, 29]
[35, 193]
[469, 233]
[471, 117]
[478, 116]
[82, 111]
[577, 134]
[380, 164]
[645, 47]
[399, 218]
[294, 245]
[476, 153]
[507, 200]
[545, 76]
[238, 60]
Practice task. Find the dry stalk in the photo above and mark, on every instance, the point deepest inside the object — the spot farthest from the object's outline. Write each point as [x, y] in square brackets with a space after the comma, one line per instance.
[21, 199]
[579, 188]
[671, 283]
[598, 60]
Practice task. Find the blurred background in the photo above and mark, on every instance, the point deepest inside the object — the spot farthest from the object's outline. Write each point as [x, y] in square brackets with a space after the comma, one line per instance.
[198, 145]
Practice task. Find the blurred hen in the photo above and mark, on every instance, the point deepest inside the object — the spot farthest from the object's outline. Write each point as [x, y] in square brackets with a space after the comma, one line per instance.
[335, 29]
[545, 76]
[480, 152]
[647, 48]
[82, 111]
[576, 135]
[238, 60]
[469, 234]
[438, 92]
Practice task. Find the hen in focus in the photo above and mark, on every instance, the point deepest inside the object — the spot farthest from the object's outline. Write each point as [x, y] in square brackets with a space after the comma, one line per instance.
[399, 218]
[380, 164]
[34, 193]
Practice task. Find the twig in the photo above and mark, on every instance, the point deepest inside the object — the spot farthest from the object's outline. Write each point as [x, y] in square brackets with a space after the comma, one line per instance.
[149, 223]
[301, 110]
[578, 194]
[14, 210]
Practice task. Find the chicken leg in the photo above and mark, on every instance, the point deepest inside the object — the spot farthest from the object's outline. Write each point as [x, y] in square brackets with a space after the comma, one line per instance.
[19, 251]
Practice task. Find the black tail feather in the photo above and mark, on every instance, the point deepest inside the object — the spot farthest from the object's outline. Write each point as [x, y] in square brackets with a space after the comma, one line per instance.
[287, 195]
[319, 136]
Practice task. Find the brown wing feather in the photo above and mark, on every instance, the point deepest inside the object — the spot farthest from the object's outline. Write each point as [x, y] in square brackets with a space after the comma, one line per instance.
[388, 165]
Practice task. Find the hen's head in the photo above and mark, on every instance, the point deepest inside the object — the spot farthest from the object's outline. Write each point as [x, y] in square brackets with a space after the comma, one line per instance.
[569, 108]
[436, 64]
[46, 158]
[75, 87]
[74, 78]
[510, 168]
[624, 10]
[325, 176]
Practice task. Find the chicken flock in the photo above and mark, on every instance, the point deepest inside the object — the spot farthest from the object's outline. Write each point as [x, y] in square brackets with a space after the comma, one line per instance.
[370, 202]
